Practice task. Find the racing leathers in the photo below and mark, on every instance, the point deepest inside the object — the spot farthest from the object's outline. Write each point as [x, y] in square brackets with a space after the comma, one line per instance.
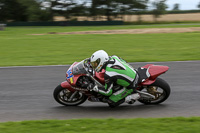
[118, 72]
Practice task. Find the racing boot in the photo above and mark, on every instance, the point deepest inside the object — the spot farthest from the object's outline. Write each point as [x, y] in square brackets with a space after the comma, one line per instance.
[130, 99]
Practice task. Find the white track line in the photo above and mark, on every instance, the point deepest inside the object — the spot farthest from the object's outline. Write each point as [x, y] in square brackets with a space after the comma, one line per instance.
[70, 65]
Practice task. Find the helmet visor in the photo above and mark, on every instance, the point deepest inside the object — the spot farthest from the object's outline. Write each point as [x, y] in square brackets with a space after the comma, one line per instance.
[94, 64]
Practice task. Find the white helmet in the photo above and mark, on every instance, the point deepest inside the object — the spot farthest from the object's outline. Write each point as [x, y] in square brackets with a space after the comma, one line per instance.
[98, 59]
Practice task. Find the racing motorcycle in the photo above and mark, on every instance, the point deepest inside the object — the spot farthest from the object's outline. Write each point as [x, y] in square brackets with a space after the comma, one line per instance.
[73, 91]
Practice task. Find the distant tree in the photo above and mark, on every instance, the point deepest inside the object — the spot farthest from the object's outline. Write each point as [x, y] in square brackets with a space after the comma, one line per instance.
[114, 8]
[93, 9]
[11, 10]
[159, 8]
[198, 5]
[33, 11]
[109, 7]
[133, 6]
[22, 10]
[139, 7]
[77, 10]
[176, 7]
[68, 8]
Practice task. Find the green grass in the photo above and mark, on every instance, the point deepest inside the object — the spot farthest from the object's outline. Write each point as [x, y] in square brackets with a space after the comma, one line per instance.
[139, 125]
[17, 48]
[46, 29]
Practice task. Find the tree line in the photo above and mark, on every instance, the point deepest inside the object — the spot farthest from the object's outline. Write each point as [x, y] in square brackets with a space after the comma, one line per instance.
[45, 10]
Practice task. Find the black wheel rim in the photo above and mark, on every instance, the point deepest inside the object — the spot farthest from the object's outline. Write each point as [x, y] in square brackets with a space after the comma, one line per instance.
[70, 98]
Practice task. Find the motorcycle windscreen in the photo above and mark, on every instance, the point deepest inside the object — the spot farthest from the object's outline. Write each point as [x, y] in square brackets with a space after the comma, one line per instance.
[79, 68]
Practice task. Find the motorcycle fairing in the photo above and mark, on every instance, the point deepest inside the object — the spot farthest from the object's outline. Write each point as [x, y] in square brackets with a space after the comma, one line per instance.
[66, 85]
[100, 76]
[154, 71]
[74, 72]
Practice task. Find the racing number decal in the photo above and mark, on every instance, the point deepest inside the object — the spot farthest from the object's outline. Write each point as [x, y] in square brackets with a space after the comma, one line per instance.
[70, 75]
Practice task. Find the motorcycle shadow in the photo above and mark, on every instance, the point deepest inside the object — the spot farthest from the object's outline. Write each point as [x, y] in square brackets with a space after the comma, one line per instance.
[104, 111]
[106, 108]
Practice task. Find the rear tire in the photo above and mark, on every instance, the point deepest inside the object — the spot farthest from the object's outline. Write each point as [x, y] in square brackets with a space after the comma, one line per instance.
[62, 96]
[161, 84]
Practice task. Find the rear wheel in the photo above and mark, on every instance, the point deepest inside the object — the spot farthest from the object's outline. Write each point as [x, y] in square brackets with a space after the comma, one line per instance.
[68, 98]
[160, 89]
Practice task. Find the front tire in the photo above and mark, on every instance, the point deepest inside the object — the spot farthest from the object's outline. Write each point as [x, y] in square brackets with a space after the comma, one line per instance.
[160, 89]
[68, 98]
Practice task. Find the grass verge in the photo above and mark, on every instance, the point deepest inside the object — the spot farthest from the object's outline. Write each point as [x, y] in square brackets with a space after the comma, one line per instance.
[17, 48]
[138, 125]
[46, 29]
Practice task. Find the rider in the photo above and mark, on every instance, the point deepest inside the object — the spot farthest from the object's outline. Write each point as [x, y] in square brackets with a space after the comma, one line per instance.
[117, 72]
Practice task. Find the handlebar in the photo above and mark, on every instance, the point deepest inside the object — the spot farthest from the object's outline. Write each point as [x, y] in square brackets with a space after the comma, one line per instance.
[87, 68]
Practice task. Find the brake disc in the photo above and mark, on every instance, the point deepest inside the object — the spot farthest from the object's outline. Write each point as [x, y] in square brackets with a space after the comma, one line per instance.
[153, 90]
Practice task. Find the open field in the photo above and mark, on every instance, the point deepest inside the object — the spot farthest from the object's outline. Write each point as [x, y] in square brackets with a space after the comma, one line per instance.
[150, 125]
[165, 18]
[131, 31]
[147, 18]
[19, 48]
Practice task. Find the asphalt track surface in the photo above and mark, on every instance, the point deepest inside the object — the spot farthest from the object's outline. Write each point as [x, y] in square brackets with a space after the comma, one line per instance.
[26, 94]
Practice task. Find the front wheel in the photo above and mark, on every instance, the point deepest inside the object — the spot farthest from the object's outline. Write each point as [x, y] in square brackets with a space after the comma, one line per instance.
[160, 89]
[68, 98]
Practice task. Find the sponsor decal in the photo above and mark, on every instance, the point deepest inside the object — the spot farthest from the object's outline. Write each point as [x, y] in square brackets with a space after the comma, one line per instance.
[79, 89]
[124, 93]
[69, 74]
[71, 80]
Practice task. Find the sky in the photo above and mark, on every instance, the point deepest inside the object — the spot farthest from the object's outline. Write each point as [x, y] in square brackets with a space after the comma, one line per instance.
[184, 4]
